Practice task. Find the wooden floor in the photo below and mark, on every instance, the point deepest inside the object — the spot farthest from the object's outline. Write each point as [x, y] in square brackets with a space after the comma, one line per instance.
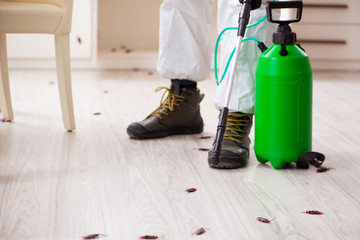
[60, 185]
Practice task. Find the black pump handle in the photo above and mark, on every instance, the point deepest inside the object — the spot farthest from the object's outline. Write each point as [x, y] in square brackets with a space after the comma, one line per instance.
[284, 4]
[255, 4]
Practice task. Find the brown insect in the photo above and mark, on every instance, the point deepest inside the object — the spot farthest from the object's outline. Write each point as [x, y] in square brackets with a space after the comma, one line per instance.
[93, 236]
[150, 73]
[313, 212]
[190, 190]
[203, 149]
[264, 220]
[79, 40]
[97, 113]
[199, 231]
[205, 137]
[323, 169]
[128, 51]
[113, 50]
[149, 237]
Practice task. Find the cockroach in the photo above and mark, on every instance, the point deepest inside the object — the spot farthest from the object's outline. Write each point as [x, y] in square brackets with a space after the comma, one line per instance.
[264, 220]
[149, 237]
[113, 50]
[205, 137]
[313, 212]
[323, 169]
[199, 231]
[190, 190]
[150, 73]
[123, 47]
[97, 113]
[79, 40]
[203, 149]
[93, 236]
[128, 51]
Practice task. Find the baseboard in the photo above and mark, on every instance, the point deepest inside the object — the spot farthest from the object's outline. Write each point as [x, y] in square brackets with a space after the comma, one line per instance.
[106, 59]
[335, 65]
[110, 59]
[126, 59]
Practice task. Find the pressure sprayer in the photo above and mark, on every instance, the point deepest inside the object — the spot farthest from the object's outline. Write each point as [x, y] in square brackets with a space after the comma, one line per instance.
[283, 94]
[244, 17]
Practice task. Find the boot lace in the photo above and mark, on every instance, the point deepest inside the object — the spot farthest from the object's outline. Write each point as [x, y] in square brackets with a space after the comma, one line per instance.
[235, 126]
[167, 104]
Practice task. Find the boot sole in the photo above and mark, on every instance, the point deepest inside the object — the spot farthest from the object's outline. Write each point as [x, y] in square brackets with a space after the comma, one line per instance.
[227, 162]
[134, 134]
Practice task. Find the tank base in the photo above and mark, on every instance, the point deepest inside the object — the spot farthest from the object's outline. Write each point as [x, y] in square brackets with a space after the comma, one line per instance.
[277, 164]
[261, 160]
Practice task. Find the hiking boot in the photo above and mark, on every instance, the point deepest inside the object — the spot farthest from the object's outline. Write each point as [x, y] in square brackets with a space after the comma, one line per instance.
[178, 113]
[235, 145]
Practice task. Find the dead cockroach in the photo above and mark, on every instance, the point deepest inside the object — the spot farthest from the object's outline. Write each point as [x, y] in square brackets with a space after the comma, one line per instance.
[313, 212]
[202, 149]
[93, 236]
[264, 220]
[199, 231]
[149, 237]
[190, 190]
[323, 169]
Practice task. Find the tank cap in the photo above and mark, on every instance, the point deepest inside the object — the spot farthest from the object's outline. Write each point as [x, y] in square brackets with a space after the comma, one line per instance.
[284, 35]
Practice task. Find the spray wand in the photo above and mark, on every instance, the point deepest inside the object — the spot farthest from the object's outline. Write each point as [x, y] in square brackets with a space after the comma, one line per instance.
[244, 17]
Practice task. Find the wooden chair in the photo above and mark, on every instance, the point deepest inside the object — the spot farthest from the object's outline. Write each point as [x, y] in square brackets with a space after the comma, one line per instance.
[46, 17]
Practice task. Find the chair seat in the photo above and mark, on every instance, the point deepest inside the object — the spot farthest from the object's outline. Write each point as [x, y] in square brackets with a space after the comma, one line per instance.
[22, 17]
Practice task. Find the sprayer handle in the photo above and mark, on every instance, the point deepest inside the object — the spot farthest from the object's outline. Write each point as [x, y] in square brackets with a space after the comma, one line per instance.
[284, 4]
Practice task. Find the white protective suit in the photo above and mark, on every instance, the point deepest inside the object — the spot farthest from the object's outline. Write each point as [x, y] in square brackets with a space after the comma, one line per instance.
[185, 47]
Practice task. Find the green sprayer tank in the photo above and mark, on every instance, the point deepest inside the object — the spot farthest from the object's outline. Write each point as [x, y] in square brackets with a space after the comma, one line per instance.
[283, 98]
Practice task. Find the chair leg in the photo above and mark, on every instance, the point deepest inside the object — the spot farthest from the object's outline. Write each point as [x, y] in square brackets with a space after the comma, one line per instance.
[62, 49]
[5, 98]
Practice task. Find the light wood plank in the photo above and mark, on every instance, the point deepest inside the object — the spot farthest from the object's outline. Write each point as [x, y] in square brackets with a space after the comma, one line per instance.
[60, 185]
